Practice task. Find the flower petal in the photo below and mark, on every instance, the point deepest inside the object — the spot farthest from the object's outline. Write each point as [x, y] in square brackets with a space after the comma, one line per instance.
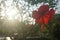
[43, 9]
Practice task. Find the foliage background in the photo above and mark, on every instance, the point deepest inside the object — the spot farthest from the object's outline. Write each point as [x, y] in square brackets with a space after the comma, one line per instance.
[27, 28]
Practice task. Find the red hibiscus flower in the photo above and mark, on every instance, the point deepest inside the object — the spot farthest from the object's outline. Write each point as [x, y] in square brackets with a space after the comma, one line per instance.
[43, 15]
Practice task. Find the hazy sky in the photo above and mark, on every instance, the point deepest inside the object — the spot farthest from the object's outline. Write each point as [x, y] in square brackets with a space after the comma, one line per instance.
[58, 6]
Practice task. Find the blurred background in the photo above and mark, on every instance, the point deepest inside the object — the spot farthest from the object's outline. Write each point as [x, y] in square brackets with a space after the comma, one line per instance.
[16, 22]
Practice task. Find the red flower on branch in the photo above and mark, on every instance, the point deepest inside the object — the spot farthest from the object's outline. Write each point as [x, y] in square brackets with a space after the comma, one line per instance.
[43, 15]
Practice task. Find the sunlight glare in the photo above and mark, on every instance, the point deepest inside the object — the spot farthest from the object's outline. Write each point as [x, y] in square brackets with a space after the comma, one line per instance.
[11, 13]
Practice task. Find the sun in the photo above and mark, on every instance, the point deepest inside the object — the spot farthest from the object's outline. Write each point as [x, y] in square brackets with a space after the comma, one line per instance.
[11, 13]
